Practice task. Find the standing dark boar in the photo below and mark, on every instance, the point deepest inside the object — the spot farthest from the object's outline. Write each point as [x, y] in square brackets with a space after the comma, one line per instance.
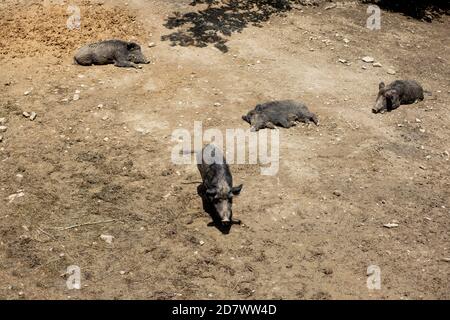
[399, 92]
[117, 52]
[283, 113]
[217, 189]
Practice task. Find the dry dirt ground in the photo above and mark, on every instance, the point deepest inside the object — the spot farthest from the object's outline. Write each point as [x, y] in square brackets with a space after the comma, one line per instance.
[309, 232]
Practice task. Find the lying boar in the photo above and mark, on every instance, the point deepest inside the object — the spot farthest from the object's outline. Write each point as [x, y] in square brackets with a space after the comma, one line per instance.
[217, 189]
[399, 92]
[279, 113]
[117, 52]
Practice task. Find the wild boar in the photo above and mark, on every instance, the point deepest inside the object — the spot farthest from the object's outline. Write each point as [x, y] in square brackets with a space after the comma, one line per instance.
[399, 92]
[283, 113]
[217, 189]
[117, 52]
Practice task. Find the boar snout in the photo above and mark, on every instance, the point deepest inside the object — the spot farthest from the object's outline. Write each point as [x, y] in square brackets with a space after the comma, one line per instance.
[226, 222]
[378, 110]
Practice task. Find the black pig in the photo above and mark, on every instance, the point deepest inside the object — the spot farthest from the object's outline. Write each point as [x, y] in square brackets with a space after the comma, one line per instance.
[117, 52]
[279, 113]
[217, 189]
[399, 92]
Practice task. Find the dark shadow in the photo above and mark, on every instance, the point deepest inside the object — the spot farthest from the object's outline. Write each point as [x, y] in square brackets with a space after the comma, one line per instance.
[420, 9]
[219, 20]
[209, 209]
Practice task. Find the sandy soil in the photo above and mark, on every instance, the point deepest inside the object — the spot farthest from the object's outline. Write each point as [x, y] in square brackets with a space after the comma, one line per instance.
[309, 232]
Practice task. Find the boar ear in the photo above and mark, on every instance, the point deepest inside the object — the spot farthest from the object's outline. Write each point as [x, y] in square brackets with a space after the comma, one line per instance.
[381, 85]
[390, 93]
[132, 46]
[236, 190]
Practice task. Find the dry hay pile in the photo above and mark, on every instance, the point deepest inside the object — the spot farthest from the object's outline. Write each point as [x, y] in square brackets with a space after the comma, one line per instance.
[41, 27]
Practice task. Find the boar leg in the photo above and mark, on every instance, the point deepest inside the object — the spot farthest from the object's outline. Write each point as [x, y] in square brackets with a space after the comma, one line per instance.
[285, 123]
[269, 125]
[126, 64]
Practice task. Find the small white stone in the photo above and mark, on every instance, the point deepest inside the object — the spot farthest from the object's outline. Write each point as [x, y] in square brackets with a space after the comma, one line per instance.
[122, 272]
[107, 238]
[33, 116]
[76, 97]
[368, 59]
[390, 225]
[377, 65]
[391, 71]
[3, 128]
[217, 104]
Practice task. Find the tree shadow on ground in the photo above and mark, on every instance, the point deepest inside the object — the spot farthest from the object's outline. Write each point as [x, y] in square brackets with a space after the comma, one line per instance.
[426, 10]
[219, 20]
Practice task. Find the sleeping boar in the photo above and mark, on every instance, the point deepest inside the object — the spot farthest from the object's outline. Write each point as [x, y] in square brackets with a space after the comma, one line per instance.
[117, 52]
[399, 92]
[217, 189]
[284, 113]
